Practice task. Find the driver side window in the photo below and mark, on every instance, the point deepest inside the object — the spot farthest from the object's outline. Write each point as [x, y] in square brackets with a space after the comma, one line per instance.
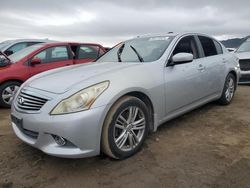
[53, 54]
[187, 45]
[41, 55]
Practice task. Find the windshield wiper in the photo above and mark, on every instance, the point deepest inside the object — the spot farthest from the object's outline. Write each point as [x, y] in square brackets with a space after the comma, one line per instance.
[119, 52]
[138, 55]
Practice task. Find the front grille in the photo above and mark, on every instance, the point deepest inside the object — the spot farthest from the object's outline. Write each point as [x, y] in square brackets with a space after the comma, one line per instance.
[245, 64]
[30, 102]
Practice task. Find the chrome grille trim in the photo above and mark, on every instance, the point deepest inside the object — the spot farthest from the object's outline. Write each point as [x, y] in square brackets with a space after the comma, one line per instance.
[30, 102]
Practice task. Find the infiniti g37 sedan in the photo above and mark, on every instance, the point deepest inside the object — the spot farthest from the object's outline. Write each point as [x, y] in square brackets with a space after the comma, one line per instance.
[111, 105]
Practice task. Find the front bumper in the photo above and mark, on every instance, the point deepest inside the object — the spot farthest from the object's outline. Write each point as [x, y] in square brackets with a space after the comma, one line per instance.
[245, 77]
[82, 130]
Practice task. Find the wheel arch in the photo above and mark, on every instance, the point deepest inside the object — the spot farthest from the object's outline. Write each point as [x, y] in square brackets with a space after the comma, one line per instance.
[144, 98]
[12, 80]
[235, 75]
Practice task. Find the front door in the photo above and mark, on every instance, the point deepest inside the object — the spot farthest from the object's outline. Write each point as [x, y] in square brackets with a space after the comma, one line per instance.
[183, 82]
[53, 57]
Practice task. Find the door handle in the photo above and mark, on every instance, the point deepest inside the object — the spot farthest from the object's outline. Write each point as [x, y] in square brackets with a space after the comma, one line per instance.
[201, 67]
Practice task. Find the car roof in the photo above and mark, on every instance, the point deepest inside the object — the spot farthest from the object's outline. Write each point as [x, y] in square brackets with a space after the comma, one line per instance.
[69, 43]
[172, 34]
[26, 40]
[169, 34]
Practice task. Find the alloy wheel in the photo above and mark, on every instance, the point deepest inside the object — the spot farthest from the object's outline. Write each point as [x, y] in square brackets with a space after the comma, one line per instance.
[129, 128]
[230, 89]
[9, 93]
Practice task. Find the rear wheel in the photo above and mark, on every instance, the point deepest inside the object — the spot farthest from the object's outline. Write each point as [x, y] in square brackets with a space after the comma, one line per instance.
[229, 90]
[7, 93]
[125, 128]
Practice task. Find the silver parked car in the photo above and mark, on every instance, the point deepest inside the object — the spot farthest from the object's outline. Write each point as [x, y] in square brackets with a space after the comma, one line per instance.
[243, 53]
[10, 47]
[112, 104]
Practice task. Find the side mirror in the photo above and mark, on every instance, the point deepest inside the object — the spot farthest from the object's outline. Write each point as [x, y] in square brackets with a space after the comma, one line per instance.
[181, 58]
[8, 52]
[35, 61]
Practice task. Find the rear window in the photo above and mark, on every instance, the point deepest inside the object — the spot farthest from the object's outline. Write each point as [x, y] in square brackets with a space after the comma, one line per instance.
[88, 52]
[208, 46]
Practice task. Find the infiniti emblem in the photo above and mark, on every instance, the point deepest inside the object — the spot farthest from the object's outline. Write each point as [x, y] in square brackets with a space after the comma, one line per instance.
[21, 100]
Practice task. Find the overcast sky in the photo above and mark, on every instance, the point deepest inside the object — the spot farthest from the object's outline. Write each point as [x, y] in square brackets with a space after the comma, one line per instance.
[111, 21]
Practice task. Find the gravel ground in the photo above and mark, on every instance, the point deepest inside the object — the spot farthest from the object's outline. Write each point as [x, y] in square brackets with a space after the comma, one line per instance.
[209, 147]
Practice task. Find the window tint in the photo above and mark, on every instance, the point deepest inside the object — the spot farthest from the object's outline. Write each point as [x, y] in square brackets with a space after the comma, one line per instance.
[218, 47]
[208, 46]
[59, 53]
[88, 52]
[17, 47]
[187, 45]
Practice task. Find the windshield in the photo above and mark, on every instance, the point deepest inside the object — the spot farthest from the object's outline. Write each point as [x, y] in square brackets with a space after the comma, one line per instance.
[245, 47]
[23, 53]
[3, 45]
[146, 49]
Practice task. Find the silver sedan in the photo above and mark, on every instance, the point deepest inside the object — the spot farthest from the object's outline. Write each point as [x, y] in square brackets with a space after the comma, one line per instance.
[111, 105]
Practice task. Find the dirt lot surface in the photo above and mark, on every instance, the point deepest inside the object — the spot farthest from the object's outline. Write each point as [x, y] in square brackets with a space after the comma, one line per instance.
[209, 147]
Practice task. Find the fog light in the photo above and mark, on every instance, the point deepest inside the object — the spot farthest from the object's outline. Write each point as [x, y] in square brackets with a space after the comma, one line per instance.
[59, 140]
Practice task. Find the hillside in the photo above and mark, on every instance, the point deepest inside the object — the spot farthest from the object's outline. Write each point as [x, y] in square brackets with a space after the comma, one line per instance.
[234, 42]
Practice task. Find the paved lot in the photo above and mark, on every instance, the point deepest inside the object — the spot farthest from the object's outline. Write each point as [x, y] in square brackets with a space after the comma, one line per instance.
[209, 147]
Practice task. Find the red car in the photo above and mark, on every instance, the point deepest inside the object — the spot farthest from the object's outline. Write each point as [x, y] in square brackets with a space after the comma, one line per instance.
[17, 68]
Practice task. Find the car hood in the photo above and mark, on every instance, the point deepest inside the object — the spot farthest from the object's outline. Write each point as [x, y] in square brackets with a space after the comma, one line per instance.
[63, 79]
[243, 55]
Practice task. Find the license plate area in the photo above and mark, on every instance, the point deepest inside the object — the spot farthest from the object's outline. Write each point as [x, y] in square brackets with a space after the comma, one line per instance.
[17, 121]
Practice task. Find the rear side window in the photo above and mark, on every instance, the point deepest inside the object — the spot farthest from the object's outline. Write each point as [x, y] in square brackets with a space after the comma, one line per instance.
[218, 47]
[88, 52]
[208, 46]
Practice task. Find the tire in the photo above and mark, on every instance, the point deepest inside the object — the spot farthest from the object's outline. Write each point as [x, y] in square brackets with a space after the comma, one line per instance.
[228, 90]
[8, 89]
[121, 138]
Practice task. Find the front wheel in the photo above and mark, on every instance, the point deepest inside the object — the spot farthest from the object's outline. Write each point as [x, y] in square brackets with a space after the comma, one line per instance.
[7, 93]
[229, 90]
[125, 128]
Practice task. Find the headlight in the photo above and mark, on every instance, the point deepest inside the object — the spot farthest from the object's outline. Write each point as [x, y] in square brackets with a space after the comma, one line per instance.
[81, 100]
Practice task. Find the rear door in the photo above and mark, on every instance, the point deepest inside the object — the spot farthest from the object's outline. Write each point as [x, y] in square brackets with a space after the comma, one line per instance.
[214, 66]
[183, 82]
[87, 53]
[53, 57]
